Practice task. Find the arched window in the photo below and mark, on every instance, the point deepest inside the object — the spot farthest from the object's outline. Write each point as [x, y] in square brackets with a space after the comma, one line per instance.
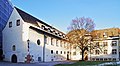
[13, 48]
[38, 41]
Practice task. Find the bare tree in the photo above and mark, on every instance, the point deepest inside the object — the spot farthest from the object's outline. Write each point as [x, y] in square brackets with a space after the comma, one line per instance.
[80, 33]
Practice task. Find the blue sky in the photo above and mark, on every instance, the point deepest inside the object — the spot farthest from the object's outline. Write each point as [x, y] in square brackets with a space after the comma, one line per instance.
[59, 13]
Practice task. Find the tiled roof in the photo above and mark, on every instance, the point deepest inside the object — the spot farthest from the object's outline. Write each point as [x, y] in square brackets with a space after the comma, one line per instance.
[29, 18]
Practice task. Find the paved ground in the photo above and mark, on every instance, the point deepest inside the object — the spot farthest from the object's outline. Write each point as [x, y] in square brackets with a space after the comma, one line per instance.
[34, 64]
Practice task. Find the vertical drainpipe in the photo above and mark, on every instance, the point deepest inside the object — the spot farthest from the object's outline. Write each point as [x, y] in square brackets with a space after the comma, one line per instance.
[44, 50]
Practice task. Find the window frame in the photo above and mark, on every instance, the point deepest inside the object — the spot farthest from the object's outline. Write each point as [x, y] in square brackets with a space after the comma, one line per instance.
[38, 42]
[57, 42]
[56, 52]
[105, 44]
[52, 52]
[13, 48]
[18, 22]
[10, 24]
[114, 51]
[74, 53]
[114, 43]
[105, 52]
[52, 41]
[61, 52]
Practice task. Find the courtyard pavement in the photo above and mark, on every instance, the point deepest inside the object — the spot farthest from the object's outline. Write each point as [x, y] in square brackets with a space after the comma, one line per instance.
[35, 64]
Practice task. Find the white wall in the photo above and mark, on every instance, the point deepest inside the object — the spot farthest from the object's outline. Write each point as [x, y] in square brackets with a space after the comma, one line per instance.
[35, 49]
[109, 48]
[54, 56]
[18, 36]
[13, 36]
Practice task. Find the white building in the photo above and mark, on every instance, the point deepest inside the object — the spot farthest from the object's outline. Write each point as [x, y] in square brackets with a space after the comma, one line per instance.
[25, 34]
[109, 50]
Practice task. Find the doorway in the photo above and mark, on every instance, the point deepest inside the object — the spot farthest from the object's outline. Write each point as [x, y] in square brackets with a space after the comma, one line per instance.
[67, 56]
[14, 58]
[86, 55]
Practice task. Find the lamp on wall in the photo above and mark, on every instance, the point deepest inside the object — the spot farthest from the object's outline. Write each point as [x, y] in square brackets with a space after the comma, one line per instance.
[28, 58]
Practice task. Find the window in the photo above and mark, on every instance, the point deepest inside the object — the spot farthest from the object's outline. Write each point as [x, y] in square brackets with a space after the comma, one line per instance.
[64, 52]
[57, 42]
[97, 59]
[114, 43]
[74, 53]
[64, 44]
[114, 59]
[97, 52]
[18, 22]
[74, 47]
[105, 51]
[101, 59]
[61, 43]
[105, 59]
[42, 26]
[68, 45]
[39, 58]
[56, 52]
[109, 59]
[114, 51]
[13, 48]
[38, 41]
[51, 51]
[52, 41]
[10, 24]
[61, 52]
[67, 52]
[105, 44]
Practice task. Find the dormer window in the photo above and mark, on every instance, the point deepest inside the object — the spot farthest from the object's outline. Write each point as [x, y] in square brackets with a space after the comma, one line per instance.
[42, 26]
[63, 36]
[60, 34]
[49, 30]
[18, 22]
[56, 33]
[45, 28]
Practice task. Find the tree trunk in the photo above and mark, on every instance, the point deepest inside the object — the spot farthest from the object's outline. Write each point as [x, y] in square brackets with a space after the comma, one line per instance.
[82, 55]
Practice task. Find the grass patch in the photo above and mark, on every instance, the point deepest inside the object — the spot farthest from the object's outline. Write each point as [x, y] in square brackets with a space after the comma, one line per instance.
[82, 63]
